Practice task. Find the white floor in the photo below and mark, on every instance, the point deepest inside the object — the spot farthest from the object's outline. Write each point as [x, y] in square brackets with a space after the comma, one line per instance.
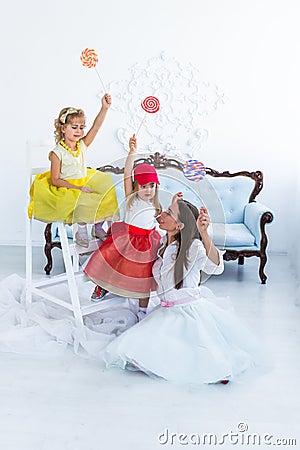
[68, 402]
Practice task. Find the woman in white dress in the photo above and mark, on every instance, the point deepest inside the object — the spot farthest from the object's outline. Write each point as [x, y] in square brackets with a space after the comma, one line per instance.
[188, 339]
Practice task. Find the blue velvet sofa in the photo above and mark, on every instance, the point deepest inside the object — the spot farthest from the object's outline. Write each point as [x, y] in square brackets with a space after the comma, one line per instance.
[238, 220]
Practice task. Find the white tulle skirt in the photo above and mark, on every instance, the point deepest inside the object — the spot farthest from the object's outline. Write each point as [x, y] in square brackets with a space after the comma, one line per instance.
[191, 343]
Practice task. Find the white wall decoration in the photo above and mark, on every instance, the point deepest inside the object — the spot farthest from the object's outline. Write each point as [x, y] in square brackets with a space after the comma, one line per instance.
[184, 99]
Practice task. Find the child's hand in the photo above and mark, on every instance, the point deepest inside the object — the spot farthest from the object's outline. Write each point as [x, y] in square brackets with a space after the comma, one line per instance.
[203, 220]
[132, 144]
[106, 101]
[176, 197]
[86, 189]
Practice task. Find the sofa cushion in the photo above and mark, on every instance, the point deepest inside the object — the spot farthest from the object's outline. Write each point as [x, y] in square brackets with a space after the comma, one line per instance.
[231, 235]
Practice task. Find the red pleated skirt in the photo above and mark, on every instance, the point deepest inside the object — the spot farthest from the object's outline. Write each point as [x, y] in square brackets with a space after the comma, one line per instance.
[123, 263]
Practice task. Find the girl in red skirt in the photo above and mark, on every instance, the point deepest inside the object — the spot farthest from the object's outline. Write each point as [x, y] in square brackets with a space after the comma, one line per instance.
[123, 263]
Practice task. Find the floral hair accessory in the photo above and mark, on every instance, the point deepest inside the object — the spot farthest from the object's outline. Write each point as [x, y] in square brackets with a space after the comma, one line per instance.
[63, 117]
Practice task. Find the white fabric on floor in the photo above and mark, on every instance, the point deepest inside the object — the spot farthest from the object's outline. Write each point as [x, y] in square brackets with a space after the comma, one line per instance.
[47, 328]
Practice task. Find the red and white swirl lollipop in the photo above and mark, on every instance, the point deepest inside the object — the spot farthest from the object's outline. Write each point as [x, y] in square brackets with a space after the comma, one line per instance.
[89, 58]
[150, 105]
[194, 170]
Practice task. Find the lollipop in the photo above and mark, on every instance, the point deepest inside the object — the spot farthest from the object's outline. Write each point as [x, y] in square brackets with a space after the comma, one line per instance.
[150, 105]
[89, 58]
[194, 170]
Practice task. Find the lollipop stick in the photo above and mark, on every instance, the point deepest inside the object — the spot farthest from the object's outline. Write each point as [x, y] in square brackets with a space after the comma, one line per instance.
[100, 80]
[141, 124]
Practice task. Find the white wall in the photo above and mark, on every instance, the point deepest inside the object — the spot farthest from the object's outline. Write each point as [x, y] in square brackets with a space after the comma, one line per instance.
[248, 49]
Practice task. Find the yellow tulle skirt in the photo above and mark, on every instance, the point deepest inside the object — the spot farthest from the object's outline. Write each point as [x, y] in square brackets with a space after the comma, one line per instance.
[52, 204]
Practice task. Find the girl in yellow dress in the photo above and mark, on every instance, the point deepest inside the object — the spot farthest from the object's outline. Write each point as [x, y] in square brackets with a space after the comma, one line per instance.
[70, 192]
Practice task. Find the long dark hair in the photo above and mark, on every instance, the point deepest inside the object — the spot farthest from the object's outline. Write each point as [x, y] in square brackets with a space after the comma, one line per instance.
[188, 214]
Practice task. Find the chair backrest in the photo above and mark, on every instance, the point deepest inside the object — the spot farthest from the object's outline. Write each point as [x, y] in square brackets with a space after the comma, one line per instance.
[37, 157]
[233, 194]
[36, 163]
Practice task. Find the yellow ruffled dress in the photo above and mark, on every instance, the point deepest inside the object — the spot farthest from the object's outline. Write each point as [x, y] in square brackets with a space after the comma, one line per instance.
[52, 204]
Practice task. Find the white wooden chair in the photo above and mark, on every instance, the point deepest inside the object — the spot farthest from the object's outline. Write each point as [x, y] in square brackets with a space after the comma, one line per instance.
[70, 253]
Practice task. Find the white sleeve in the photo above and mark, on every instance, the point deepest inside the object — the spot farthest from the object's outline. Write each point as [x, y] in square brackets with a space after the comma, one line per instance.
[57, 152]
[83, 147]
[197, 256]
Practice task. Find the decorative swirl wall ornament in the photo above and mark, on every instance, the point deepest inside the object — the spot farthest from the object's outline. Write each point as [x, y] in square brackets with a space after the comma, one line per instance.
[184, 98]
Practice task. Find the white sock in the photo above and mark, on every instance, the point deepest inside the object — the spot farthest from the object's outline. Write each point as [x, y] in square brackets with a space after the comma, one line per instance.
[143, 309]
[82, 230]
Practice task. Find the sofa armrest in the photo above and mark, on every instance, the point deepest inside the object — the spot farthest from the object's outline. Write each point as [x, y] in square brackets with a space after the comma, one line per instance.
[254, 213]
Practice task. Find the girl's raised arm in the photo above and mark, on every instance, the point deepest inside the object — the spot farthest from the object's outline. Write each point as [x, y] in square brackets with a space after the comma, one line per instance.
[129, 163]
[91, 134]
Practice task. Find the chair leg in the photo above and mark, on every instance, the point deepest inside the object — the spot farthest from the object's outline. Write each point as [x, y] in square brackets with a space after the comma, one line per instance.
[75, 263]
[48, 248]
[28, 285]
[241, 260]
[71, 278]
[75, 258]
[262, 275]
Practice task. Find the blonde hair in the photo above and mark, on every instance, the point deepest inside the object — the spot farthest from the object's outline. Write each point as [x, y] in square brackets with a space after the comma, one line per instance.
[66, 115]
[154, 200]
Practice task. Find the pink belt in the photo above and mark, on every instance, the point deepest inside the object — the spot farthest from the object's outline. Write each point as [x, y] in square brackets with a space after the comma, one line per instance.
[177, 302]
